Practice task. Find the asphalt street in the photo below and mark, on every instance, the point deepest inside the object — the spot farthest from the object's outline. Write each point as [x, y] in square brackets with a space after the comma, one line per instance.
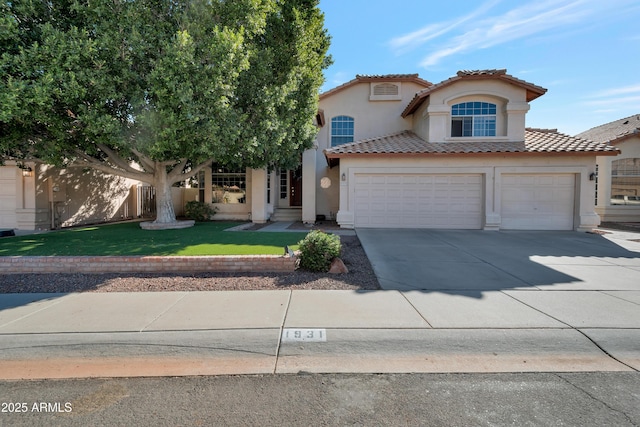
[534, 399]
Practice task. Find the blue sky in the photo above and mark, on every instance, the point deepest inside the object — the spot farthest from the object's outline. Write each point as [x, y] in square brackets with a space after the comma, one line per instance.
[585, 52]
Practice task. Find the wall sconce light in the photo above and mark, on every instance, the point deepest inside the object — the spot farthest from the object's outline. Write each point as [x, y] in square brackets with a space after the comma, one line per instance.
[27, 171]
[592, 176]
[343, 177]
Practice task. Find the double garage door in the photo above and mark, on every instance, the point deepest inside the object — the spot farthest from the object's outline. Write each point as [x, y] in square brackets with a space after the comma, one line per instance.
[418, 201]
[528, 201]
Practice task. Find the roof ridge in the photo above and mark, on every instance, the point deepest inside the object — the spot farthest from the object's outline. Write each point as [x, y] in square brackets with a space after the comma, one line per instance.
[362, 78]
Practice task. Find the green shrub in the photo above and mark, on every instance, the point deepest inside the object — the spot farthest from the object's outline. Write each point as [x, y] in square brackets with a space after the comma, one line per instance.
[317, 250]
[199, 211]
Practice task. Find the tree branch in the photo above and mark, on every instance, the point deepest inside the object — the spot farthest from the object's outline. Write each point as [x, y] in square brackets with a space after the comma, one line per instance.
[145, 161]
[85, 161]
[117, 159]
[192, 172]
[176, 172]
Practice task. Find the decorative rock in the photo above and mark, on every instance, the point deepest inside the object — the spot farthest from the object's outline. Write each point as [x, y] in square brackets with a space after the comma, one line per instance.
[338, 267]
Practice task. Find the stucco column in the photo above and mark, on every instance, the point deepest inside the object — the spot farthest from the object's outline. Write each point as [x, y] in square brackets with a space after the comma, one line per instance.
[309, 186]
[26, 207]
[438, 122]
[492, 200]
[588, 219]
[516, 112]
[259, 213]
[345, 217]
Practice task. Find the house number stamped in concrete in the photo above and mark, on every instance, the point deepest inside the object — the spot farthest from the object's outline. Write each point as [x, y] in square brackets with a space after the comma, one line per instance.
[309, 335]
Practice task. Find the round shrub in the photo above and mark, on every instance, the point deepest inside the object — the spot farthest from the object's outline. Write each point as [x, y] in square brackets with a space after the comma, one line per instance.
[317, 250]
[199, 211]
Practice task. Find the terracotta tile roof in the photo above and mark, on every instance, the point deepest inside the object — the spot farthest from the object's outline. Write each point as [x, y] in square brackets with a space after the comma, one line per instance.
[364, 78]
[615, 131]
[533, 91]
[536, 141]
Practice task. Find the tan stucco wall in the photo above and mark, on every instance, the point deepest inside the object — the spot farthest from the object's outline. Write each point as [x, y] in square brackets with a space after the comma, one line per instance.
[432, 121]
[84, 197]
[10, 188]
[492, 169]
[371, 119]
[630, 148]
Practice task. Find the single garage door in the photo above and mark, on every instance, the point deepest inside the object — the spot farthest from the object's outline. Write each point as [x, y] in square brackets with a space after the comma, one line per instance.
[8, 197]
[538, 201]
[418, 201]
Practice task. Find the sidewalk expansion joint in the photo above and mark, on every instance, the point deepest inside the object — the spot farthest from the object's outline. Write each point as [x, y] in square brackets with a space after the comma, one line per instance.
[284, 320]
[416, 310]
[48, 306]
[184, 294]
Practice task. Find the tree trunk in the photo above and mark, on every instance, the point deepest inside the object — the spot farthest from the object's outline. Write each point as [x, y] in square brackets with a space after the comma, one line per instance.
[165, 213]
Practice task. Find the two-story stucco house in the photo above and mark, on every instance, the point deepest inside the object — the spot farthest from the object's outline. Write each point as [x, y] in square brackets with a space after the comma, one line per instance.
[399, 151]
[395, 151]
[618, 180]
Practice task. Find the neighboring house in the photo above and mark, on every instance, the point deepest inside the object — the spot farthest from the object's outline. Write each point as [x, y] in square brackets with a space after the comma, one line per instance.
[34, 196]
[618, 178]
[399, 151]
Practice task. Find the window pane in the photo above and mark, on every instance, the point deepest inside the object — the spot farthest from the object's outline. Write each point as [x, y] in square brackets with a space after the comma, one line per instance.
[342, 130]
[625, 182]
[473, 119]
[228, 185]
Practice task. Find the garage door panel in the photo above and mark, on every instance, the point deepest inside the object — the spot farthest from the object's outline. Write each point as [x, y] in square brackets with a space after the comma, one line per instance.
[418, 200]
[538, 202]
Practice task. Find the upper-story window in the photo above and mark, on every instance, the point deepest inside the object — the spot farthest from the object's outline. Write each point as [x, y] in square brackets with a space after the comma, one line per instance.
[341, 130]
[473, 119]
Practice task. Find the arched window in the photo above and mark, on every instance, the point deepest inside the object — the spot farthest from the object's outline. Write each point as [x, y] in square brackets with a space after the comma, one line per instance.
[341, 130]
[473, 119]
[625, 182]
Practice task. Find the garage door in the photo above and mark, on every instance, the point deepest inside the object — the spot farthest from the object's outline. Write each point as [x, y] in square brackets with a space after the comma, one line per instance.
[538, 202]
[418, 201]
[8, 197]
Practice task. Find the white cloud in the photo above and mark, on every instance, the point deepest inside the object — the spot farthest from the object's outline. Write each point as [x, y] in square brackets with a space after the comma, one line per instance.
[614, 100]
[618, 91]
[515, 24]
[417, 38]
[479, 30]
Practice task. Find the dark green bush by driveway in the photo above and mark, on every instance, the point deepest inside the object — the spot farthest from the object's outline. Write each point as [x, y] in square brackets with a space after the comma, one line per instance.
[317, 250]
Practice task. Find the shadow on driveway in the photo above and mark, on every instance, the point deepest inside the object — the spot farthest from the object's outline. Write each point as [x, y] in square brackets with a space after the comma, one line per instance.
[473, 261]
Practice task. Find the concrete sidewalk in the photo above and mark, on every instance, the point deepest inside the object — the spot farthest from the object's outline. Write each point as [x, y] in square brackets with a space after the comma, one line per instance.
[258, 332]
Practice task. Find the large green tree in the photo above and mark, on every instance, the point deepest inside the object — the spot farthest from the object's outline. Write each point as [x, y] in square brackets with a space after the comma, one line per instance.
[154, 90]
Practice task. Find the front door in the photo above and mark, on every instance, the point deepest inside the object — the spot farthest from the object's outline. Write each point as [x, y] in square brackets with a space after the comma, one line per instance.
[295, 187]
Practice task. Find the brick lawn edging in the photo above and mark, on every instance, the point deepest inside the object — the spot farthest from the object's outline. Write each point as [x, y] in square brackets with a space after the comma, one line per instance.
[146, 264]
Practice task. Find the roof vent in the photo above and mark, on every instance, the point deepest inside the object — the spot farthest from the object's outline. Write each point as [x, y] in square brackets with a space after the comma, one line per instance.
[385, 89]
[385, 92]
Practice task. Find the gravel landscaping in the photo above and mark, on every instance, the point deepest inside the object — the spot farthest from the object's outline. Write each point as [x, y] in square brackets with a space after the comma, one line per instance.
[360, 277]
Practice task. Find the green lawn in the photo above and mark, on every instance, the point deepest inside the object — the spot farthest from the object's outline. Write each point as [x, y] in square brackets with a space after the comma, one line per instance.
[129, 239]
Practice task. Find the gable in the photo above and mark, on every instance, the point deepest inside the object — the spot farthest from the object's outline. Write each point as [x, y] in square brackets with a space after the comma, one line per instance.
[479, 81]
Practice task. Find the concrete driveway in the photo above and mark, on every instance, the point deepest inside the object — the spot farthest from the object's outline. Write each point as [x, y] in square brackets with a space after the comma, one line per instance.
[473, 262]
[516, 280]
